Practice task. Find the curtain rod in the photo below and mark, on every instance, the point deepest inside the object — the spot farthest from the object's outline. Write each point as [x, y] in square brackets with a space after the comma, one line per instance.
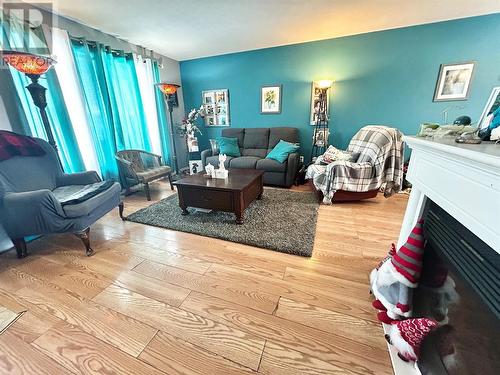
[118, 52]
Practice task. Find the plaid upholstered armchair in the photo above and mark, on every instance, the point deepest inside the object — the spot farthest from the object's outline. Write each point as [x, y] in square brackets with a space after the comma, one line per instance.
[378, 166]
[141, 167]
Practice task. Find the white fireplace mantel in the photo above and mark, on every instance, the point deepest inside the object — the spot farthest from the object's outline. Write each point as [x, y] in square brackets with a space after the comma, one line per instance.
[462, 179]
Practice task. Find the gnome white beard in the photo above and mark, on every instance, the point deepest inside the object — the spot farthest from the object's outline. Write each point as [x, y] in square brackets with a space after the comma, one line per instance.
[400, 344]
[393, 281]
[391, 289]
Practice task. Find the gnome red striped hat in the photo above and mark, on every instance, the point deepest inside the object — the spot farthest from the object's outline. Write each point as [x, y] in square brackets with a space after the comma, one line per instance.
[408, 335]
[407, 261]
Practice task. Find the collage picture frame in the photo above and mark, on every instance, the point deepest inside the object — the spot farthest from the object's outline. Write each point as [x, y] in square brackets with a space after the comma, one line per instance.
[216, 107]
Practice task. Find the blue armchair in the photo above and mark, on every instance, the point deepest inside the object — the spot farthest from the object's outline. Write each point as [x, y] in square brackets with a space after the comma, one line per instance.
[37, 198]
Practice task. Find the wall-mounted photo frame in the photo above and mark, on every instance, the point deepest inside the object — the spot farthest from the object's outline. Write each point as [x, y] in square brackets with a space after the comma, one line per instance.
[216, 106]
[270, 99]
[315, 91]
[491, 107]
[454, 81]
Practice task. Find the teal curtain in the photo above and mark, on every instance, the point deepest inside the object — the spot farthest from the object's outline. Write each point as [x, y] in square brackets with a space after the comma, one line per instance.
[129, 121]
[100, 118]
[162, 116]
[56, 109]
[113, 102]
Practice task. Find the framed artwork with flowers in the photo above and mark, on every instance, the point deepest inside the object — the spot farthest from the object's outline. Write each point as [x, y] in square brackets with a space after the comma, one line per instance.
[270, 99]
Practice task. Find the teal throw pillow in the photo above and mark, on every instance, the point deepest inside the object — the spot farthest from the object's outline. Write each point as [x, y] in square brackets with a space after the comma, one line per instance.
[281, 151]
[229, 146]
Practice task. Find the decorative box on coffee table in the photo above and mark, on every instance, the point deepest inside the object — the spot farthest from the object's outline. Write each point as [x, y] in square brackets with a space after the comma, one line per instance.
[233, 194]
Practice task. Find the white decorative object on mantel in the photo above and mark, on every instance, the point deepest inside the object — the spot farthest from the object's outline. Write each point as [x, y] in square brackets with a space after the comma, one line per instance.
[464, 180]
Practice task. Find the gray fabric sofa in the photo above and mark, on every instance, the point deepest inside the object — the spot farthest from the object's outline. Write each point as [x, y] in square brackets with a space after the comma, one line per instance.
[255, 144]
[33, 191]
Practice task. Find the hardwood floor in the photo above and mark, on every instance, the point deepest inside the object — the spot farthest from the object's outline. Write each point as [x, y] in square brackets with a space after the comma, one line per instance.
[153, 301]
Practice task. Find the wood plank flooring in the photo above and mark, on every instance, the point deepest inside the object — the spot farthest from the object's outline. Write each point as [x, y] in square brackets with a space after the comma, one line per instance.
[156, 301]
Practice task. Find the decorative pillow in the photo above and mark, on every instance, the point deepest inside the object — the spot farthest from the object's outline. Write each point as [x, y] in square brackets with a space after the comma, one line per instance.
[333, 154]
[229, 146]
[214, 146]
[281, 151]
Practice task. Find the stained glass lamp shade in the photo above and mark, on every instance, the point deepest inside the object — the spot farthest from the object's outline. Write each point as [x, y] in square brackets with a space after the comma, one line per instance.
[168, 88]
[28, 63]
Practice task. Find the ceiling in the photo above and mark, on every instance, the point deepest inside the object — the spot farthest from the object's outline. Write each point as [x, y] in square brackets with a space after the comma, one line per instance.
[186, 29]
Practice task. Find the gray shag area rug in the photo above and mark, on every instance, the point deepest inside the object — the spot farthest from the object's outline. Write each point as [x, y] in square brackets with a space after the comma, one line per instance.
[282, 220]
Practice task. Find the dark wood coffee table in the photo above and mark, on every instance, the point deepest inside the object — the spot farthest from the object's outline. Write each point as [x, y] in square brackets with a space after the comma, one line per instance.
[233, 194]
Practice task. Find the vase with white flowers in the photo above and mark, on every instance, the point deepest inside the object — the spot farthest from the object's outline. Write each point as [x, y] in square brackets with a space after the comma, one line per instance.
[189, 129]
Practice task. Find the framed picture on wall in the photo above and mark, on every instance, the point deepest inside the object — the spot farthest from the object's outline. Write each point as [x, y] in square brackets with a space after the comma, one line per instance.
[454, 81]
[216, 106]
[315, 91]
[270, 99]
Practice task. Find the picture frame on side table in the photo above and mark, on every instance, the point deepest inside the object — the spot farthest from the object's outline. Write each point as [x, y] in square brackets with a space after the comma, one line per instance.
[491, 106]
[490, 117]
[270, 99]
[454, 81]
[216, 107]
[195, 166]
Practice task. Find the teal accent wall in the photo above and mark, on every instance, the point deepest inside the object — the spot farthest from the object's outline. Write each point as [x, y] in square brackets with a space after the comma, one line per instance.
[385, 77]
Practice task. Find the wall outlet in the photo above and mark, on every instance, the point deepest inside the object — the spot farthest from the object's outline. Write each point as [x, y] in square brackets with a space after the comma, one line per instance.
[301, 158]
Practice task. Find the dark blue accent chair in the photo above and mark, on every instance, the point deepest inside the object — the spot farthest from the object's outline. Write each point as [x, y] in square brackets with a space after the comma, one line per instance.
[31, 191]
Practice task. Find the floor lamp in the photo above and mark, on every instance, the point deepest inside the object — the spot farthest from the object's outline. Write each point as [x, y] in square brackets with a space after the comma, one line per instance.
[321, 130]
[169, 89]
[34, 66]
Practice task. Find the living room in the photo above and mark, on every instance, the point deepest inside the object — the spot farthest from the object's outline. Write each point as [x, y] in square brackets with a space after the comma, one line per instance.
[231, 187]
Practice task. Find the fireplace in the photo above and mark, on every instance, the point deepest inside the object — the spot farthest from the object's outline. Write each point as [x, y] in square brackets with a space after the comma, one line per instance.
[456, 187]
[460, 288]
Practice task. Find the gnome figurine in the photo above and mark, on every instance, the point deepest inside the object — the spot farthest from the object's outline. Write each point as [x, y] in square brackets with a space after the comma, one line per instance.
[408, 335]
[392, 283]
